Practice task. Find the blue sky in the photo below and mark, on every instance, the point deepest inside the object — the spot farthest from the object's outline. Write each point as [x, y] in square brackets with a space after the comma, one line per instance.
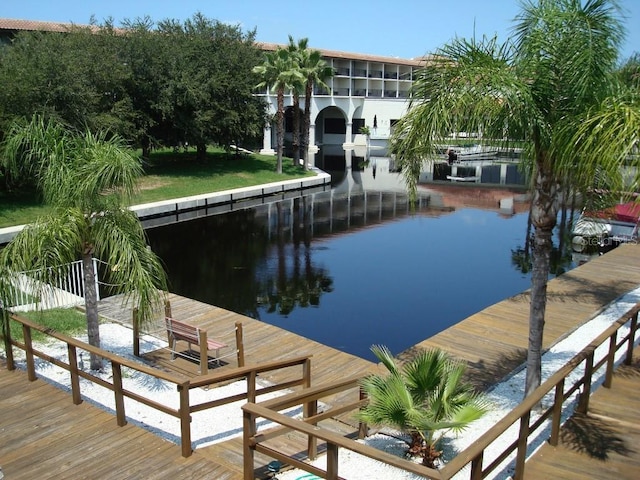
[397, 28]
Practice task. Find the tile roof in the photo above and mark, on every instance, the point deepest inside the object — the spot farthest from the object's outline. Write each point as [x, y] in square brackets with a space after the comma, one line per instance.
[36, 25]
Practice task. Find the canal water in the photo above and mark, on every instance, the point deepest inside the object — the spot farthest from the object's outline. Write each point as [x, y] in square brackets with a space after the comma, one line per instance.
[356, 265]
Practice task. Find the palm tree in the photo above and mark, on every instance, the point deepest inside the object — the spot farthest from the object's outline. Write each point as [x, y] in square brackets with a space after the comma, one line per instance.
[295, 53]
[542, 87]
[424, 398]
[315, 72]
[87, 179]
[278, 72]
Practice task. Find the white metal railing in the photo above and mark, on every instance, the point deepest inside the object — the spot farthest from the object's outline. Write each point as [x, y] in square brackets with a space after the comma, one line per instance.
[29, 293]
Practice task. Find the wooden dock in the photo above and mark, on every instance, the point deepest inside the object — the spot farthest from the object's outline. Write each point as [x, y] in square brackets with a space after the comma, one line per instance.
[493, 342]
[602, 444]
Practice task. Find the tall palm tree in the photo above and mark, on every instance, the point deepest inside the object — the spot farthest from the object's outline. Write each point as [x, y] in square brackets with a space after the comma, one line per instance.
[425, 398]
[88, 180]
[315, 71]
[278, 72]
[542, 86]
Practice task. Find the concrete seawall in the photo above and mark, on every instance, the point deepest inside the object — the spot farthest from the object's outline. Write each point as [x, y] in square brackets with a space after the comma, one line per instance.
[152, 214]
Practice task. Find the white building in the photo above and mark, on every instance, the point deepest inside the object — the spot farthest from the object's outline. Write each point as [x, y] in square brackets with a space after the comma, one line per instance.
[366, 90]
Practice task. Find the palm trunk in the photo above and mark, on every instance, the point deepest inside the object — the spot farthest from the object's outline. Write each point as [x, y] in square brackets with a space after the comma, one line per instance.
[91, 306]
[296, 129]
[543, 217]
[306, 123]
[280, 128]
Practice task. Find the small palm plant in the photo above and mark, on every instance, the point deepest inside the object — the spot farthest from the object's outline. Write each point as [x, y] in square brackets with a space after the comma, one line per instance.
[424, 398]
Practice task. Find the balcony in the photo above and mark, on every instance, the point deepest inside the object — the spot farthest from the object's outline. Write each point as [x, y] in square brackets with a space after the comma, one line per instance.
[342, 72]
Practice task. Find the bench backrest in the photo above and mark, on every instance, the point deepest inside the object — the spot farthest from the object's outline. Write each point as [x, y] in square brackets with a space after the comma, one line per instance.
[181, 330]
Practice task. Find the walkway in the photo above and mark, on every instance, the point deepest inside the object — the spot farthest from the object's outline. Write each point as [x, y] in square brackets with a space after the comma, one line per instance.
[42, 431]
[494, 341]
[43, 435]
[605, 444]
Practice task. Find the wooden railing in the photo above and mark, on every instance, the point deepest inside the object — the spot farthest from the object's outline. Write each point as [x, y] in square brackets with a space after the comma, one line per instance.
[474, 455]
[183, 412]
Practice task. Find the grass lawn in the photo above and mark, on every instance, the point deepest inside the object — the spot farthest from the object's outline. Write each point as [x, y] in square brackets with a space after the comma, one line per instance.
[68, 321]
[173, 175]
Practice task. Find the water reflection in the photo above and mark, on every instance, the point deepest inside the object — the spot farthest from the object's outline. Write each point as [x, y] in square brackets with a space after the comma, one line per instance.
[357, 265]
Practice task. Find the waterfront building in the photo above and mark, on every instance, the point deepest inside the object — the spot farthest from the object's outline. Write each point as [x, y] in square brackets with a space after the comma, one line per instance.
[366, 90]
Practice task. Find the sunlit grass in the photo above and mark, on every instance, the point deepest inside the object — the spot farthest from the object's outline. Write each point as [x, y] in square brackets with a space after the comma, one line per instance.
[69, 321]
[170, 174]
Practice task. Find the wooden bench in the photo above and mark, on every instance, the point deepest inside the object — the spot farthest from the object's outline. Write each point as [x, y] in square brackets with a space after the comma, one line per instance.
[180, 331]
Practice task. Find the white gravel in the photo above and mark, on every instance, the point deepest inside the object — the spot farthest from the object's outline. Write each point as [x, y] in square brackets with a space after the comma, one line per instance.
[226, 421]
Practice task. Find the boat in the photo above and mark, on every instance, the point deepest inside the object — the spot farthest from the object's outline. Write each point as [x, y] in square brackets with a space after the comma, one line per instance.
[473, 152]
[605, 229]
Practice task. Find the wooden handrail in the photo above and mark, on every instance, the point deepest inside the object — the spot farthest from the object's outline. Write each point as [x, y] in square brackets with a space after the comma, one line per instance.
[474, 454]
[184, 385]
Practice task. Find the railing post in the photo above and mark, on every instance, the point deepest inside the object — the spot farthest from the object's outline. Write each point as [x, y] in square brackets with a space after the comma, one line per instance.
[75, 378]
[632, 339]
[249, 430]
[185, 420]
[309, 409]
[476, 467]
[6, 326]
[167, 308]
[116, 370]
[558, 400]
[240, 344]
[251, 386]
[28, 350]
[332, 461]
[523, 436]
[363, 429]
[96, 279]
[583, 404]
[135, 322]
[611, 358]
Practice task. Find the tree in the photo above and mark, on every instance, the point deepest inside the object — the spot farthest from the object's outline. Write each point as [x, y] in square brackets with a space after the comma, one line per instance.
[545, 87]
[87, 179]
[278, 72]
[315, 71]
[425, 398]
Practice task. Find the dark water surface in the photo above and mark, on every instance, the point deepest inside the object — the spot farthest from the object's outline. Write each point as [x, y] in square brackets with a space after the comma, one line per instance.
[348, 269]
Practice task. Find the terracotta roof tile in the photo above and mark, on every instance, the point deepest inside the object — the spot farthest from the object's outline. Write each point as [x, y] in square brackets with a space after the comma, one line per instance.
[35, 25]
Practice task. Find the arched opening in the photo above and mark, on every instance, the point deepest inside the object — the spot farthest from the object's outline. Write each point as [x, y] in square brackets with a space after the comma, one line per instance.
[331, 127]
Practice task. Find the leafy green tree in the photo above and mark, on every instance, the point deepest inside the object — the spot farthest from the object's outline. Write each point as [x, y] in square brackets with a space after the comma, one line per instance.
[208, 96]
[87, 179]
[425, 398]
[279, 72]
[546, 87]
[76, 76]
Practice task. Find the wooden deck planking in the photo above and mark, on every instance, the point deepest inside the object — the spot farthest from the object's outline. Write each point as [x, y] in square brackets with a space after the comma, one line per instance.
[604, 444]
[43, 435]
[493, 342]
[573, 299]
